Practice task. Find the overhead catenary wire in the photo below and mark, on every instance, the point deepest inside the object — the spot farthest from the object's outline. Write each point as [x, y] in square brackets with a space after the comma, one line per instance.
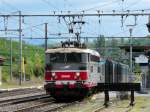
[65, 37]
[102, 5]
[125, 31]
[9, 5]
[50, 4]
[132, 4]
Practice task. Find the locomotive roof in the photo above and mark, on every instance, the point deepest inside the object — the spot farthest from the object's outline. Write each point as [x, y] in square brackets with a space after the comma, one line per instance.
[71, 50]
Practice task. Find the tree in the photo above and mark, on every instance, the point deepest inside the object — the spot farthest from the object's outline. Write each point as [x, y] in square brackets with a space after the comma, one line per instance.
[100, 44]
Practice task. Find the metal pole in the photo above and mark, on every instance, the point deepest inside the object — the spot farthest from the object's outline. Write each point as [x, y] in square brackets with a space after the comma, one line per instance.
[46, 36]
[145, 80]
[20, 41]
[23, 69]
[130, 30]
[106, 92]
[132, 98]
[11, 59]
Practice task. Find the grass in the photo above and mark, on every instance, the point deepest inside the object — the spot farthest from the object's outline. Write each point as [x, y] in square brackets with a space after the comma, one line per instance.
[142, 104]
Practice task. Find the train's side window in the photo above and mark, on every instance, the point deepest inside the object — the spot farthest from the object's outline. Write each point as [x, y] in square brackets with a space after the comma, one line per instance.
[91, 68]
[94, 58]
[98, 69]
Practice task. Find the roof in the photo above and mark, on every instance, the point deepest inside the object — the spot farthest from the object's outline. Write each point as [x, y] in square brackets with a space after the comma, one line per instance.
[71, 50]
[136, 48]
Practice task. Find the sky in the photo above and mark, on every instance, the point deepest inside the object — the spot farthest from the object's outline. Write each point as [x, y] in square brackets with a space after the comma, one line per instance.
[94, 26]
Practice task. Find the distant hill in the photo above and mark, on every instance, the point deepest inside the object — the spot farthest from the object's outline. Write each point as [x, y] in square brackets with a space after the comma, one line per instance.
[33, 56]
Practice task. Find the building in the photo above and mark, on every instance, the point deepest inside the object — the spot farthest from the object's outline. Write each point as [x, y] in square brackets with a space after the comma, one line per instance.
[141, 56]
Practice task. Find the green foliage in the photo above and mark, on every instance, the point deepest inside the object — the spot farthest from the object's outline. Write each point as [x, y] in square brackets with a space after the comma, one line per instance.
[5, 77]
[38, 69]
[109, 47]
[33, 56]
[100, 43]
[137, 68]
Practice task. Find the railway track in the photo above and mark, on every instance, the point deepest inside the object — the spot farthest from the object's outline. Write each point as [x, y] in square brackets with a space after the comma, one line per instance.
[22, 98]
[27, 109]
[45, 107]
[19, 92]
[29, 103]
[42, 104]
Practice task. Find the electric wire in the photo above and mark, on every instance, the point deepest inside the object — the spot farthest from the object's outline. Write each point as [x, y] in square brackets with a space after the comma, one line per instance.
[9, 5]
[103, 5]
[50, 4]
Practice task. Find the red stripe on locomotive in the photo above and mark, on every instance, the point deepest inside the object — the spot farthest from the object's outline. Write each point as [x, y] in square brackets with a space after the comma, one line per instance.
[66, 76]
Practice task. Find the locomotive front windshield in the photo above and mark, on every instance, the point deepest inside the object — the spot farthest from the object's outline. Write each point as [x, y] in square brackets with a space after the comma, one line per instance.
[65, 57]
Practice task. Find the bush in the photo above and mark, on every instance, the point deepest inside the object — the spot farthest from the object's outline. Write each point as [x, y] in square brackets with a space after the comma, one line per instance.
[5, 77]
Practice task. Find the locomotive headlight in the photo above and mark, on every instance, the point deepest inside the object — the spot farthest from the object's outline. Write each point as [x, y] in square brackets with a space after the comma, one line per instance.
[77, 74]
[53, 74]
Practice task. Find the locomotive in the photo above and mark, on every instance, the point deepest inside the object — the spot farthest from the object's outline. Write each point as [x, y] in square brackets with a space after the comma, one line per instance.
[76, 72]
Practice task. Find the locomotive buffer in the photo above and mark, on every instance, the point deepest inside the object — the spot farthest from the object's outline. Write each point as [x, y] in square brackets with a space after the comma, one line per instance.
[106, 87]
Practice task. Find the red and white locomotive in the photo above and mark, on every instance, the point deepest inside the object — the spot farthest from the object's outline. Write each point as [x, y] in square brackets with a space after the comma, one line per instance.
[76, 71]
[71, 71]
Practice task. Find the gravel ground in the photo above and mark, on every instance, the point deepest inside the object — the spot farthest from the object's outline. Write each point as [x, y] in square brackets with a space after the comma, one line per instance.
[47, 107]
[88, 105]
[142, 104]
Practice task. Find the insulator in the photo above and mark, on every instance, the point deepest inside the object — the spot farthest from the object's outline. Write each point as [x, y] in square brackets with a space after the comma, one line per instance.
[99, 21]
[59, 20]
[121, 21]
[22, 19]
[71, 30]
[69, 12]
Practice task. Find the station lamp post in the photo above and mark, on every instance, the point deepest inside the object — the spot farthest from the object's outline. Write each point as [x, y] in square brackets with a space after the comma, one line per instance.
[131, 45]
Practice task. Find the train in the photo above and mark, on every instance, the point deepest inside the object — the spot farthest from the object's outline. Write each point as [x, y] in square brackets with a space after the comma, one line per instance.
[76, 72]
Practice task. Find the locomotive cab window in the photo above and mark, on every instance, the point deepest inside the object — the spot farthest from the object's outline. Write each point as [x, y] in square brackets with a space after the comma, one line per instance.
[73, 57]
[67, 57]
[57, 57]
[94, 58]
